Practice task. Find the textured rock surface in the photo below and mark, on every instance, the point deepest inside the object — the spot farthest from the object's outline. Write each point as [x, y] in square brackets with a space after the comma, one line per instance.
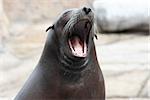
[126, 84]
[18, 15]
[118, 15]
[4, 23]
[31, 39]
[38, 10]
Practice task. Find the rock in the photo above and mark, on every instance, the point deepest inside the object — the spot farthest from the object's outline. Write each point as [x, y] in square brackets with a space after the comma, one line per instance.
[74, 3]
[125, 85]
[145, 89]
[132, 52]
[105, 39]
[14, 78]
[4, 23]
[118, 15]
[31, 10]
[30, 41]
[8, 61]
[37, 10]
[148, 88]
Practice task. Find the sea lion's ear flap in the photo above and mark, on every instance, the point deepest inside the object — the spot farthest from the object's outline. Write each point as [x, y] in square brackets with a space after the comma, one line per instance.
[95, 30]
[51, 27]
[95, 36]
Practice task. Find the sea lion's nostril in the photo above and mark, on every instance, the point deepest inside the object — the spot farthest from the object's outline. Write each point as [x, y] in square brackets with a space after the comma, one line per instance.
[86, 10]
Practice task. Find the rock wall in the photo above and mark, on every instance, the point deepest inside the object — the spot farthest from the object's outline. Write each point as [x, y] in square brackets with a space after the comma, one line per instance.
[3, 25]
[38, 10]
[122, 16]
[19, 17]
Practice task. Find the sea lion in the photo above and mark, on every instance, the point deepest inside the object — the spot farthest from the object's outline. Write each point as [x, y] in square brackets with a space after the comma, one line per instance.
[68, 68]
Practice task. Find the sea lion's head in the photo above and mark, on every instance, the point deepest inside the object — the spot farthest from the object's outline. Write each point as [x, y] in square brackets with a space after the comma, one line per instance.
[75, 31]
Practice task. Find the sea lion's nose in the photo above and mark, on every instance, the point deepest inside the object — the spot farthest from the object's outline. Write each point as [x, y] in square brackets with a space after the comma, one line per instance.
[86, 10]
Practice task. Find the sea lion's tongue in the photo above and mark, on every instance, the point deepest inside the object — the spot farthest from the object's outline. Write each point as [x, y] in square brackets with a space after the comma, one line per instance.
[78, 47]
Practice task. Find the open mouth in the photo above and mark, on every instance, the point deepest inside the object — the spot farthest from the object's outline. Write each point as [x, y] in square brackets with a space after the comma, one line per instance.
[78, 39]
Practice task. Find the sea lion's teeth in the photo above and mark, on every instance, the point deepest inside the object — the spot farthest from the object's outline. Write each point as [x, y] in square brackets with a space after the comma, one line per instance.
[85, 48]
[73, 48]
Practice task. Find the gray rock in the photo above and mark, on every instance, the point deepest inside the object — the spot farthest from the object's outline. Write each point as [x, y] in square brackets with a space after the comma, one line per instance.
[8, 61]
[125, 85]
[132, 53]
[37, 10]
[145, 90]
[4, 23]
[118, 15]
[27, 44]
[13, 79]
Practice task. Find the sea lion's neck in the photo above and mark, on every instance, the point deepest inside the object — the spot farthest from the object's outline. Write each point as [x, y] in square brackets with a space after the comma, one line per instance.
[51, 47]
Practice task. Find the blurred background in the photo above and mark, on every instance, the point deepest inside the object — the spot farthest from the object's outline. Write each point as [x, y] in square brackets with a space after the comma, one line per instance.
[122, 46]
